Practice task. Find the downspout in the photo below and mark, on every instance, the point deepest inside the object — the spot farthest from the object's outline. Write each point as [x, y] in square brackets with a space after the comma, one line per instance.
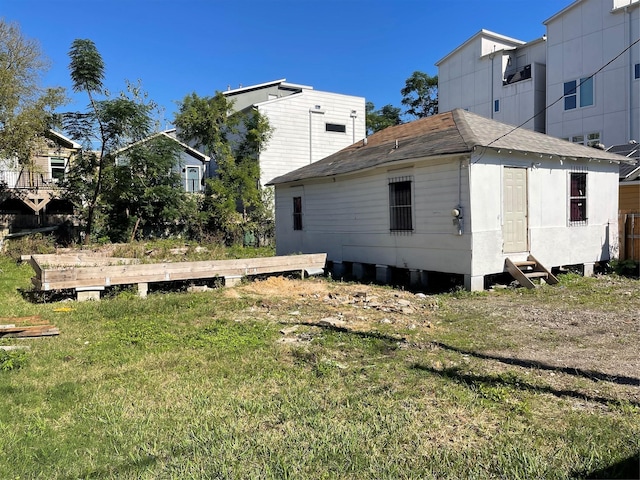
[491, 106]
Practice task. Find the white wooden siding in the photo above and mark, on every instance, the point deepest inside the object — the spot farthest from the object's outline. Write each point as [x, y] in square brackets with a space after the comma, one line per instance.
[290, 148]
[349, 219]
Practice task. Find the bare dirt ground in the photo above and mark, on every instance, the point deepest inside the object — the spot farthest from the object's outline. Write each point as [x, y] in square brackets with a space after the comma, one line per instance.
[587, 331]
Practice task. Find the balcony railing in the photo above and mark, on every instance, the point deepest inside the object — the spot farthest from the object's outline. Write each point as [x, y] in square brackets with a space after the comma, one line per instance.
[26, 180]
[523, 73]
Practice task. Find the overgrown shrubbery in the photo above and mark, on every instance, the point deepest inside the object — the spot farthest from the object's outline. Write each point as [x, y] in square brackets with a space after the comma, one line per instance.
[627, 268]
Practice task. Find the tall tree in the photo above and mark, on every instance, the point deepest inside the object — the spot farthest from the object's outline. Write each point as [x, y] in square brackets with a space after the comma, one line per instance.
[235, 199]
[377, 120]
[420, 95]
[109, 124]
[143, 192]
[26, 108]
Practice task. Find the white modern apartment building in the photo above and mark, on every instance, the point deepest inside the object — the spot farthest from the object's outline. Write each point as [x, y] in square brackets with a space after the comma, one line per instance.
[580, 81]
[308, 124]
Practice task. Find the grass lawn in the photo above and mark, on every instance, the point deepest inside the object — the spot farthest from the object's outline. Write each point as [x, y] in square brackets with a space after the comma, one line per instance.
[283, 378]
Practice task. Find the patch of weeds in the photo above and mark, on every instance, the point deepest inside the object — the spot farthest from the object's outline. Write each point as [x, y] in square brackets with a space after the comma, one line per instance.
[12, 360]
[30, 245]
[228, 336]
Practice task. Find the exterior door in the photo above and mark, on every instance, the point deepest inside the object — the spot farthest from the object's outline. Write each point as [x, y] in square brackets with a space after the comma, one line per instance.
[515, 227]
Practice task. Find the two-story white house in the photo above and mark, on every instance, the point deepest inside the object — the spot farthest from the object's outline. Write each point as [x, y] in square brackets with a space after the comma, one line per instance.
[580, 81]
[308, 124]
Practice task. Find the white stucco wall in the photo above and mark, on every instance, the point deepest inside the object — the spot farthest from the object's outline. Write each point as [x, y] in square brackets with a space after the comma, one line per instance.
[552, 240]
[300, 137]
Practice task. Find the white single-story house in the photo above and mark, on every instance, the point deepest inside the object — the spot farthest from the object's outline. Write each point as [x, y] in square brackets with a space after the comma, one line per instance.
[454, 193]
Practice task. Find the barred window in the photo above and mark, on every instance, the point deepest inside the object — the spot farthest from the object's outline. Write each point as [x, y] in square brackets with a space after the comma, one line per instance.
[400, 214]
[578, 198]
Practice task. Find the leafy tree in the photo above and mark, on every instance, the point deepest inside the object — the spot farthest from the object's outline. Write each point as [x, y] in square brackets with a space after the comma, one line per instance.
[109, 124]
[420, 95]
[26, 109]
[377, 120]
[234, 200]
[143, 192]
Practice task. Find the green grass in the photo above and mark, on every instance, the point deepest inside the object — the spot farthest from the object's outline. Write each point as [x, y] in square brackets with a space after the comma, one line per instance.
[197, 386]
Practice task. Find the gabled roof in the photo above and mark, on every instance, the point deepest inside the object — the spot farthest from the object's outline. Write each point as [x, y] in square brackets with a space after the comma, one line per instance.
[171, 135]
[484, 34]
[64, 141]
[455, 132]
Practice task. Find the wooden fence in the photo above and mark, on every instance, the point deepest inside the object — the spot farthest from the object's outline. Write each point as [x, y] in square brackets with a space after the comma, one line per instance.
[629, 224]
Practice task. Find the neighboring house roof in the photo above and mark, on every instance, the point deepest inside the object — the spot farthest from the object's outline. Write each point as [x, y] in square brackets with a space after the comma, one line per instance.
[484, 34]
[64, 141]
[455, 132]
[628, 171]
[171, 135]
[281, 82]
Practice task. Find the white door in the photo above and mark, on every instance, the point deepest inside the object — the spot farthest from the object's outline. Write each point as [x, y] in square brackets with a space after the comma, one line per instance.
[514, 228]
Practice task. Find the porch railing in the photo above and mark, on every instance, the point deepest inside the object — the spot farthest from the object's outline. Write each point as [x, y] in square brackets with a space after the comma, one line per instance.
[26, 180]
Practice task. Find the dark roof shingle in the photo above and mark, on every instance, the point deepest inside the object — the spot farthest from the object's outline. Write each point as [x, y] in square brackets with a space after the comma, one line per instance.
[447, 133]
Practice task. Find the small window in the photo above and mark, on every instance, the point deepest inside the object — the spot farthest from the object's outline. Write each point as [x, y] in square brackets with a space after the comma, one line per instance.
[297, 213]
[589, 140]
[400, 213]
[593, 139]
[496, 105]
[578, 198]
[58, 167]
[578, 93]
[335, 127]
[636, 73]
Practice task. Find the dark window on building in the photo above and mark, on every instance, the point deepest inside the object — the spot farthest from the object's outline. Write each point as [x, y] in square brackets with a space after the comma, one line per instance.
[297, 213]
[637, 71]
[496, 105]
[578, 198]
[578, 93]
[400, 212]
[335, 127]
[58, 167]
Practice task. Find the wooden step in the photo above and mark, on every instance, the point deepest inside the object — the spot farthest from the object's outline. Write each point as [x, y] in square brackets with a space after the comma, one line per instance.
[525, 271]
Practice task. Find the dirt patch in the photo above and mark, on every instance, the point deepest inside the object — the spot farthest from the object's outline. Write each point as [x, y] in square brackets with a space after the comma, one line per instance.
[590, 334]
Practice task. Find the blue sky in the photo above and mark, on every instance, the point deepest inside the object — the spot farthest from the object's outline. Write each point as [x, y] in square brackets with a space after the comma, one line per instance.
[357, 47]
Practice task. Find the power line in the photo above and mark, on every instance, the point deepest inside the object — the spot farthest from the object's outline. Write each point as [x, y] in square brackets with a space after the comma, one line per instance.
[577, 87]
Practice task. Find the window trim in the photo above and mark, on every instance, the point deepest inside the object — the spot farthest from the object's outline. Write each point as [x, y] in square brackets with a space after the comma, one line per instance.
[186, 178]
[297, 213]
[401, 222]
[584, 196]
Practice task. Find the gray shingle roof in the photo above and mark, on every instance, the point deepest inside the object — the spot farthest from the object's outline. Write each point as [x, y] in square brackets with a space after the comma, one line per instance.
[448, 133]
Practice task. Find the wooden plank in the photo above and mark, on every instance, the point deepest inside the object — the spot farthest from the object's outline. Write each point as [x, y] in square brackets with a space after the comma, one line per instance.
[30, 331]
[72, 277]
[518, 275]
[550, 278]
